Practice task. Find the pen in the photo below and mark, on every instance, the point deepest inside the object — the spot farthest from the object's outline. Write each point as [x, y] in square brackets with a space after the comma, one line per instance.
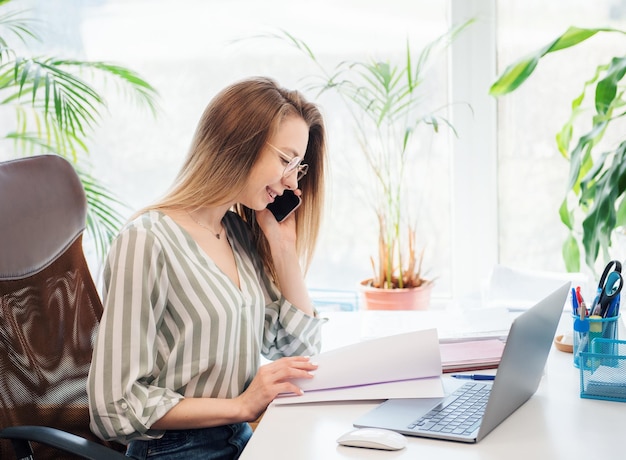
[581, 301]
[574, 301]
[595, 305]
[474, 376]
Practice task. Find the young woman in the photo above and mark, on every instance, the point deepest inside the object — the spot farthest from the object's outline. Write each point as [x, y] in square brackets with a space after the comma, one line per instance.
[200, 284]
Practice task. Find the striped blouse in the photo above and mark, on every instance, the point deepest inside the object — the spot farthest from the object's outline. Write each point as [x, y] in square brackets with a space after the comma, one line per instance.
[175, 326]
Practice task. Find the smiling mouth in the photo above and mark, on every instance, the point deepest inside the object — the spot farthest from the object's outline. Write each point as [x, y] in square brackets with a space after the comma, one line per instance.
[272, 194]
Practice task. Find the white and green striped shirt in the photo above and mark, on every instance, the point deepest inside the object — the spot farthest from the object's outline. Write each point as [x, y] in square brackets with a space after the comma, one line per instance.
[175, 326]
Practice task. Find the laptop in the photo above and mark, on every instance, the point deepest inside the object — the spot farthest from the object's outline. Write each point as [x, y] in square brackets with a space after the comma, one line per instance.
[519, 373]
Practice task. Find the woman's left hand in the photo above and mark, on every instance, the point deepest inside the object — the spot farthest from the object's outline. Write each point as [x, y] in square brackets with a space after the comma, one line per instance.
[278, 233]
[281, 237]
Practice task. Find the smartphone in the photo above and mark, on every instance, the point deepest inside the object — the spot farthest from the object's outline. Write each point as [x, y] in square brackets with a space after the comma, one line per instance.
[284, 205]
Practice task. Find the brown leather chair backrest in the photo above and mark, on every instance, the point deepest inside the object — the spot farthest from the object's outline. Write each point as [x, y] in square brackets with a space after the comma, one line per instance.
[49, 306]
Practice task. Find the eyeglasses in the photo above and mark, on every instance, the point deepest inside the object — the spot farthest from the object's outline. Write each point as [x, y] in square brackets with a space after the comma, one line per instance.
[293, 164]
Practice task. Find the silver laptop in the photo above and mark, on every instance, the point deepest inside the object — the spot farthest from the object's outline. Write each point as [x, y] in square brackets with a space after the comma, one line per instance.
[477, 407]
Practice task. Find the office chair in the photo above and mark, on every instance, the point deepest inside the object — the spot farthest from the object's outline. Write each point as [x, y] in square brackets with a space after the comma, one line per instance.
[49, 313]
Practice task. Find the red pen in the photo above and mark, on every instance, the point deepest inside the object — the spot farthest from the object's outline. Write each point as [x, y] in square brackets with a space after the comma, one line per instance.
[581, 301]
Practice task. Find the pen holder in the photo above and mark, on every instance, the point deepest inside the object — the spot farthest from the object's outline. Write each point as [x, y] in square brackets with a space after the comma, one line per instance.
[595, 327]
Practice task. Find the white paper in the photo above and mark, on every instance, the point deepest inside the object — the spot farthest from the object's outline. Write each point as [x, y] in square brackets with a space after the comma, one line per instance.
[412, 355]
[420, 388]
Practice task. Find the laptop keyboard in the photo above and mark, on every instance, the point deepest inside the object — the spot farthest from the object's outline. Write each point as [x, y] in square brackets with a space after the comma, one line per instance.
[459, 414]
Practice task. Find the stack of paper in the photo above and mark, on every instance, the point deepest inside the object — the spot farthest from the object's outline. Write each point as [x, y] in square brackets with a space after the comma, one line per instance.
[471, 355]
[407, 365]
[400, 366]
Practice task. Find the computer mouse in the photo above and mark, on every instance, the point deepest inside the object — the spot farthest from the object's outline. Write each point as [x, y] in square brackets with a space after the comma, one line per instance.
[373, 438]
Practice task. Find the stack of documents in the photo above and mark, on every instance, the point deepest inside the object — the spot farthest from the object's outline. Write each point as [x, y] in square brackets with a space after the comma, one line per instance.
[405, 365]
[400, 366]
[471, 355]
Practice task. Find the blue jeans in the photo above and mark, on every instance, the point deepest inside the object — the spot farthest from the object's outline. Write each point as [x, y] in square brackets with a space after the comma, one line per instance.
[217, 443]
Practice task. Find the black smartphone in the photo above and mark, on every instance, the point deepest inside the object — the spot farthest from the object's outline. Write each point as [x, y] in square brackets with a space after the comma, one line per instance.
[284, 205]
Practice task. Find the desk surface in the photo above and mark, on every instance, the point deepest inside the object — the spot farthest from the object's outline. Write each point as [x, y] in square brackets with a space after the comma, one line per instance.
[554, 424]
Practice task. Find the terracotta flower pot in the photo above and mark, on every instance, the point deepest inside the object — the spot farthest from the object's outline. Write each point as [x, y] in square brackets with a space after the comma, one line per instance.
[396, 299]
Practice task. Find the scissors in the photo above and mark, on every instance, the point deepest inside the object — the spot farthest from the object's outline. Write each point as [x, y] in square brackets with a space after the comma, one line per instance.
[609, 288]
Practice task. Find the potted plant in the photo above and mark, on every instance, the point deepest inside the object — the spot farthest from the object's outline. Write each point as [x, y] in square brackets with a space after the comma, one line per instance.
[57, 108]
[385, 101]
[594, 205]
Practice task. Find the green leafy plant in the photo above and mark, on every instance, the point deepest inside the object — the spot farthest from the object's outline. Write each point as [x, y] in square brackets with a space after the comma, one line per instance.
[386, 102]
[57, 108]
[597, 177]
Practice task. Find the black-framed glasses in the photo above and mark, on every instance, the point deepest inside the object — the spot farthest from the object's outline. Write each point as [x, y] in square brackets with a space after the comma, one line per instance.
[293, 164]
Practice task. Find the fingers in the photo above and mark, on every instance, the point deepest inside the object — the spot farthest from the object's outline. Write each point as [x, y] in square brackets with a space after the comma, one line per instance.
[278, 235]
[298, 362]
[289, 368]
[276, 378]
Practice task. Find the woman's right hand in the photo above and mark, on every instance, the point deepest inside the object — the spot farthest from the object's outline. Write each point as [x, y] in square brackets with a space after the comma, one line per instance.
[271, 380]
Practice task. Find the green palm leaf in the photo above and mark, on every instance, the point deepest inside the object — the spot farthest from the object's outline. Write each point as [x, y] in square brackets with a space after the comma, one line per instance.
[57, 108]
[384, 101]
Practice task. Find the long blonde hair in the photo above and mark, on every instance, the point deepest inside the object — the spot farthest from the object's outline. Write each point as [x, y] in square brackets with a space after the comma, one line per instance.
[230, 136]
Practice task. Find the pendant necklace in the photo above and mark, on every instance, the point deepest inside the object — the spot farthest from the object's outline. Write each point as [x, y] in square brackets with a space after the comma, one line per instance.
[217, 235]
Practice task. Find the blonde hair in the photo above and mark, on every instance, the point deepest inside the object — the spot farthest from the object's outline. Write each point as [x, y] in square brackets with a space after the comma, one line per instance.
[230, 136]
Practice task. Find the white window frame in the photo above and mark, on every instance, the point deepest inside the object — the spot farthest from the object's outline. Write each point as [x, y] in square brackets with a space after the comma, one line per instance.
[474, 162]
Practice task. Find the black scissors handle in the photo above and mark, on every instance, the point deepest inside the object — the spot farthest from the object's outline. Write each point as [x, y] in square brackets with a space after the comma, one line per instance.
[610, 285]
[609, 268]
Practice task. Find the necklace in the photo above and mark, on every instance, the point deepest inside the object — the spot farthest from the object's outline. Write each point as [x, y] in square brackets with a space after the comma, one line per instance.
[217, 235]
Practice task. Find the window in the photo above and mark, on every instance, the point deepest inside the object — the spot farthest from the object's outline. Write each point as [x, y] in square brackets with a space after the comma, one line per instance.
[494, 190]
[189, 50]
[532, 174]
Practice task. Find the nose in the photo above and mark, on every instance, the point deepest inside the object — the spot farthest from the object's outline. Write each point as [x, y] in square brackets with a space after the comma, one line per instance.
[291, 181]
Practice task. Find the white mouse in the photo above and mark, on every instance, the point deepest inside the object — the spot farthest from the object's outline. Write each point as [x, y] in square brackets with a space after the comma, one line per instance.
[373, 438]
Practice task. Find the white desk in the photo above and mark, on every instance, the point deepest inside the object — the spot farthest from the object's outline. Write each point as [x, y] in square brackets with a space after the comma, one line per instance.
[554, 424]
